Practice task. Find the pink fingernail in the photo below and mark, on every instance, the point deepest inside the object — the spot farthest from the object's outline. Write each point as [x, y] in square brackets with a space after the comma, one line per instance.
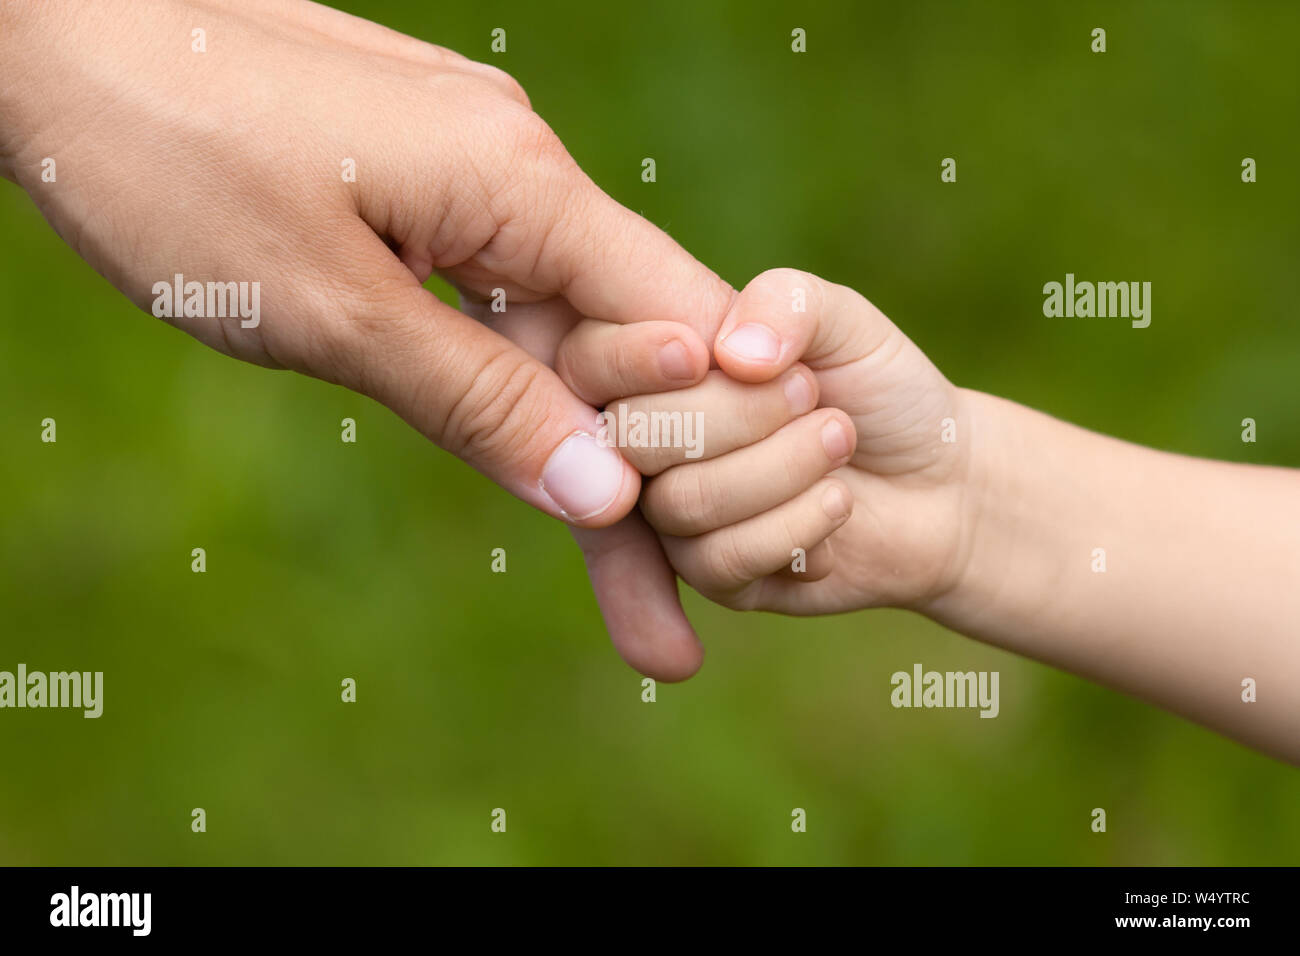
[583, 476]
[835, 439]
[836, 503]
[799, 393]
[675, 362]
[753, 343]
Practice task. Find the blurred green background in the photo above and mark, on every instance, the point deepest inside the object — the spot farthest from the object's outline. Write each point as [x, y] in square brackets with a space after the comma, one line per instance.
[479, 690]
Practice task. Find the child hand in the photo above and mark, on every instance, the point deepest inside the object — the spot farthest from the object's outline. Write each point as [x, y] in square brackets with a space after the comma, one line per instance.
[991, 518]
[666, 365]
[723, 451]
[904, 542]
[886, 527]
[866, 488]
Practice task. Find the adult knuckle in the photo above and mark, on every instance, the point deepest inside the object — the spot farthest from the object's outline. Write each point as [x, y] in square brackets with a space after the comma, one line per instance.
[512, 87]
[534, 142]
[499, 415]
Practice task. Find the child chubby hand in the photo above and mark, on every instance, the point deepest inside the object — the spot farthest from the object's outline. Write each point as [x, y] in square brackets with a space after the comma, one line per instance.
[788, 506]
[826, 433]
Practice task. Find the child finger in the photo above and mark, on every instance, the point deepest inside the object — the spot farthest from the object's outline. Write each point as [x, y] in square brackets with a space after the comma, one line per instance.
[784, 315]
[693, 498]
[812, 564]
[601, 361]
[728, 559]
[717, 416]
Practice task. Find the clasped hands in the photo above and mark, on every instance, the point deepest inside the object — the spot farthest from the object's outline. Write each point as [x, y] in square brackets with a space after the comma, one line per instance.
[336, 165]
[818, 480]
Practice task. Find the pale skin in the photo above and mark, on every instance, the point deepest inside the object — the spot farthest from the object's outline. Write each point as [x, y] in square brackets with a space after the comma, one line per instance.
[210, 138]
[224, 165]
[222, 157]
[992, 533]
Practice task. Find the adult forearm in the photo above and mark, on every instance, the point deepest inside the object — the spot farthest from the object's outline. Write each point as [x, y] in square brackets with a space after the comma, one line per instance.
[1172, 578]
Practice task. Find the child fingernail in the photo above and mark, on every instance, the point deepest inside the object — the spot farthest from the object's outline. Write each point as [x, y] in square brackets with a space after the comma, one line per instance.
[836, 440]
[835, 503]
[583, 476]
[753, 343]
[799, 393]
[675, 362]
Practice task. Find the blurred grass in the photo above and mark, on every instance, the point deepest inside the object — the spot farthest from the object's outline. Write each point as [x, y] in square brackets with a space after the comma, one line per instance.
[477, 690]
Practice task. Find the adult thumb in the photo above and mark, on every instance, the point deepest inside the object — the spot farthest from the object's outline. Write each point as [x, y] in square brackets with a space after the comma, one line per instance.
[491, 404]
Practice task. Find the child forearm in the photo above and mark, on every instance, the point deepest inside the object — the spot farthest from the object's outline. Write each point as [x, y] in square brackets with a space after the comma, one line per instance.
[1174, 579]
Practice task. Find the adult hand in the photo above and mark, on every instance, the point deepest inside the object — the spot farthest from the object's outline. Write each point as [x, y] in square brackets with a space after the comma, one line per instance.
[337, 164]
